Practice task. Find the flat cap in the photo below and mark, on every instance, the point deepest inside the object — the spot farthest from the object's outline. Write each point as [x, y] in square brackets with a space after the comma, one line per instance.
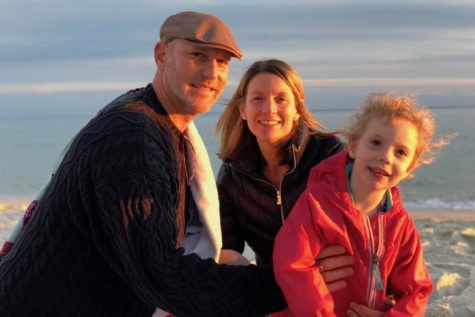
[202, 29]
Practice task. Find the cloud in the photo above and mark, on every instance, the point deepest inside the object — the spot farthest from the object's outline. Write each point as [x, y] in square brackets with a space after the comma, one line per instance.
[61, 46]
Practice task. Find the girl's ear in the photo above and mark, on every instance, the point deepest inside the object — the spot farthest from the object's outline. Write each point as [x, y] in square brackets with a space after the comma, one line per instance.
[352, 149]
[297, 116]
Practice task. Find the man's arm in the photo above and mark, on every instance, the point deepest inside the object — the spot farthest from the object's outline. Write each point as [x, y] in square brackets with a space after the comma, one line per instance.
[132, 219]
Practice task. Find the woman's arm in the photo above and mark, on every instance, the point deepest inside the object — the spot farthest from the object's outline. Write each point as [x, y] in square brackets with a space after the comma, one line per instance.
[232, 234]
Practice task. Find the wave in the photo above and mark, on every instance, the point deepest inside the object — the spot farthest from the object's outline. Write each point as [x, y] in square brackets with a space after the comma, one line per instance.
[17, 204]
[438, 204]
[13, 205]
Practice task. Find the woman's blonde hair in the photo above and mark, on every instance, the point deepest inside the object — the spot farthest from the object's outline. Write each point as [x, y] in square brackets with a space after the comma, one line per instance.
[235, 135]
[393, 106]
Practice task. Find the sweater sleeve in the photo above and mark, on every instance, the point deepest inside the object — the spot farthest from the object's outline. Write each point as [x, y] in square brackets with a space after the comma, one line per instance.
[296, 247]
[409, 281]
[231, 231]
[131, 218]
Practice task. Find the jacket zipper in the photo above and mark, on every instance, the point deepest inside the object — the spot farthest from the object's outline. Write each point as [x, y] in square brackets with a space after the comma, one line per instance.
[375, 282]
[278, 192]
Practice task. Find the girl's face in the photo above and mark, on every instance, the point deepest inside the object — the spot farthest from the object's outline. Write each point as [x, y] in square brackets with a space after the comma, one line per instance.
[383, 154]
[269, 109]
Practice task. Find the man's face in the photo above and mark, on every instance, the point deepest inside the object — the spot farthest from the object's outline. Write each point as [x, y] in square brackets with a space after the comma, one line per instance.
[193, 76]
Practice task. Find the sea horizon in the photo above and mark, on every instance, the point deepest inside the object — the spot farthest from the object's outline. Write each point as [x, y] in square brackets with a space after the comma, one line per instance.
[31, 144]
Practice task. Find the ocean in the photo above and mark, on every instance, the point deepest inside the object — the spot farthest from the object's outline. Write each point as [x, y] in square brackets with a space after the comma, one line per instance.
[30, 145]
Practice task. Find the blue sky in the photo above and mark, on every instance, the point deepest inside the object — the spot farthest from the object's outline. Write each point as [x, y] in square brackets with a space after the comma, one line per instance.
[81, 54]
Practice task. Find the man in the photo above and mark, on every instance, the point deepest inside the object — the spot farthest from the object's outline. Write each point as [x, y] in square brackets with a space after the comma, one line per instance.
[107, 236]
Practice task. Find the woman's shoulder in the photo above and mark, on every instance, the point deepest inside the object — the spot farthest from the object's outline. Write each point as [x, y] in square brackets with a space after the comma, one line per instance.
[224, 173]
[327, 142]
[319, 148]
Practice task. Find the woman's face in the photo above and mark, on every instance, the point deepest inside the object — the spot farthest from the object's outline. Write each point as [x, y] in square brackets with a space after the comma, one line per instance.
[269, 109]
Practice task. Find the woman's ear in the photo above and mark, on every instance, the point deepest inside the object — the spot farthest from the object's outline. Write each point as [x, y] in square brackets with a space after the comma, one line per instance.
[241, 110]
[297, 116]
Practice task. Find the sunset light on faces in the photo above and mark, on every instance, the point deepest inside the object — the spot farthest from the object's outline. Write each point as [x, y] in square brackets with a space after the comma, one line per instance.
[193, 76]
[269, 109]
[382, 159]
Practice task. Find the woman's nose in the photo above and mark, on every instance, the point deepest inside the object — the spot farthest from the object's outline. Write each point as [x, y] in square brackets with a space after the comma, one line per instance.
[269, 106]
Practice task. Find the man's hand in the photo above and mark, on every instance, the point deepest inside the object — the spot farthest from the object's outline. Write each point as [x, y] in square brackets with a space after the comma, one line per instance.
[358, 310]
[232, 257]
[334, 265]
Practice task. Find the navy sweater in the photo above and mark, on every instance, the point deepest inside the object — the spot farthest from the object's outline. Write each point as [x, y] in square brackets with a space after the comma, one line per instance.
[102, 241]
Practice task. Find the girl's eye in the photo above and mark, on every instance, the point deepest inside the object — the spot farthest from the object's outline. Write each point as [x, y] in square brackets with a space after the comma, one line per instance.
[375, 142]
[281, 100]
[401, 153]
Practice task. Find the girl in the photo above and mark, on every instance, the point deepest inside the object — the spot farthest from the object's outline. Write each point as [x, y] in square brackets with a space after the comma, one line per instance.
[352, 200]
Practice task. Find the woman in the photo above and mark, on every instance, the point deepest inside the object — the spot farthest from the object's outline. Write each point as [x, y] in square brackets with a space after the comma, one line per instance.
[269, 143]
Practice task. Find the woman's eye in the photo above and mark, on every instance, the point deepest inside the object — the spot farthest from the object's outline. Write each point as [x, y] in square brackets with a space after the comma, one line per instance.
[281, 100]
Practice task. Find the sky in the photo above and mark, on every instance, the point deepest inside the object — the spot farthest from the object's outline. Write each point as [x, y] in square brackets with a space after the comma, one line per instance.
[76, 56]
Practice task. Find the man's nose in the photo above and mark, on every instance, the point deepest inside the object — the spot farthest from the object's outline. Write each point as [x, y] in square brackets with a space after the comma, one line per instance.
[210, 69]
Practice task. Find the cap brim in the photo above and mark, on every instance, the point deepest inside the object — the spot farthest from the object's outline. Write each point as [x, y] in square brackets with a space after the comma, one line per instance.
[233, 52]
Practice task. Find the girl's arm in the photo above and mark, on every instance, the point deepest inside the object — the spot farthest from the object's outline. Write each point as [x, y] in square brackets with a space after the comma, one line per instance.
[409, 281]
[295, 250]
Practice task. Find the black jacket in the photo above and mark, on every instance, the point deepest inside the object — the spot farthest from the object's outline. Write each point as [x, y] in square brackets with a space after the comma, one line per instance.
[252, 208]
[102, 239]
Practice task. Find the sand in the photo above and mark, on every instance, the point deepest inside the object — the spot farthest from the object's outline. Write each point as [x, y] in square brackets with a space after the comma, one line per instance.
[448, 238]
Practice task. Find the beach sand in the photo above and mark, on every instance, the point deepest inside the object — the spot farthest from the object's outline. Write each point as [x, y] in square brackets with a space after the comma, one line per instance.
[448, 238]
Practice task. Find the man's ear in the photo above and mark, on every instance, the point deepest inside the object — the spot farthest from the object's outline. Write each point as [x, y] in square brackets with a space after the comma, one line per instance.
[159, 53]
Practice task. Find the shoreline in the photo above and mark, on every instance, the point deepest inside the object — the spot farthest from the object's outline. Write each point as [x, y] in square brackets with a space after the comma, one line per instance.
[442, 214]
[448, 240]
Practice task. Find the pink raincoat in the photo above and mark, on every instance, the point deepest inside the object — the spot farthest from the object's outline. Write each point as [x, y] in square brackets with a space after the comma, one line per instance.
[325, 215]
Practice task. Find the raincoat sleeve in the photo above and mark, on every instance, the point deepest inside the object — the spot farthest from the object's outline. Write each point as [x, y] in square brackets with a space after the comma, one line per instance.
[296, 247]
[409, 281]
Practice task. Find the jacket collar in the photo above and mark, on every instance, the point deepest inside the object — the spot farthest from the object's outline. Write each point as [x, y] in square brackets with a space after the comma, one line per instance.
[294, 150]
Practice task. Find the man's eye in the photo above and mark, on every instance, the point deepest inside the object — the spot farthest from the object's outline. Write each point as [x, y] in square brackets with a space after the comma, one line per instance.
[223, 62]
[197, 54]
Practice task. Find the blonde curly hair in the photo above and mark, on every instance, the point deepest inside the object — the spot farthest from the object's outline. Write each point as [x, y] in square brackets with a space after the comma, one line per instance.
[399, 106]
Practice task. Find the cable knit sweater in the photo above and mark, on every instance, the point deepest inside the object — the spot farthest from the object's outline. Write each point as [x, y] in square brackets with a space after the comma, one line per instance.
[102, 241]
